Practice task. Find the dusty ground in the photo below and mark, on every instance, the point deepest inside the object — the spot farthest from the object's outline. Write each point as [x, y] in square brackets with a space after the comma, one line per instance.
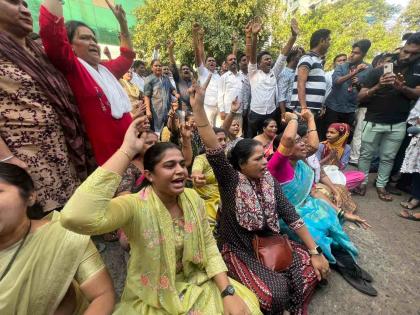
[389, 251]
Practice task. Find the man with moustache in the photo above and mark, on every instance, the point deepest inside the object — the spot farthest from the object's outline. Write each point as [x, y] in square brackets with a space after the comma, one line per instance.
[230, 87]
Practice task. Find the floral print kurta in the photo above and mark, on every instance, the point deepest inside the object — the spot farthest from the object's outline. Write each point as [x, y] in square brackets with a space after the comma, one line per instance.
[159, 279]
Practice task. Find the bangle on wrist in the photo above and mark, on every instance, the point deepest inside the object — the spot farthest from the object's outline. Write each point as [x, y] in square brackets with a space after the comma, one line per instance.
[311, 130]
[126, 154]
[202, 126]
[7, 158]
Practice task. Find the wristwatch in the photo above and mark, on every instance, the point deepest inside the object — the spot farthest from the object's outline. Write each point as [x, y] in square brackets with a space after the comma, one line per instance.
[230, 290]
[316, 251]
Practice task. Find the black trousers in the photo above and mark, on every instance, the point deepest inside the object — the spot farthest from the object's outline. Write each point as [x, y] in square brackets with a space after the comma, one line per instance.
[255, 122]
[330, 117]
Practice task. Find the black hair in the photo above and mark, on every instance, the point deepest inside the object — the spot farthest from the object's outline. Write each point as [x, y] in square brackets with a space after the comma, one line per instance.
[338, 56]
[261, 54]
[406, 36]
[293, 53]
[241, 152]
[153, 156]
[185, 65]
[363, 45]
[318, 36]
[17, 176]
[377, 59]
[217, 130]
[276, 141]
[138, 63]
[241, 55]
[267, 122]
[414, 39]
[188, 114]
[72, 26]
[302, 129]
[153, 62]
[34, 36]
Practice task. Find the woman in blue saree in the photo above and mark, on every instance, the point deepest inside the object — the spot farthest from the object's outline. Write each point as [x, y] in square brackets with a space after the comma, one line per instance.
[287, 165]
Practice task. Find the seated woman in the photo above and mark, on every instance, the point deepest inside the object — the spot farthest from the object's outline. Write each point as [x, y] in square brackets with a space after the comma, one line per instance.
[296, 177]
[204, 181]
[103, 104]
[336, 151]
[267, 136]
[252, 203]
[175, 266]
[44, 268]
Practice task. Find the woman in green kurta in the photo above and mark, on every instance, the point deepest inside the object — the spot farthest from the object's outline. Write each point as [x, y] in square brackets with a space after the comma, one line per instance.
[175, 266]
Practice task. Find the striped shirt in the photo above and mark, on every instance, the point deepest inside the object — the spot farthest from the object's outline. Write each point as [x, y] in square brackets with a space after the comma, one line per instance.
[315, 86]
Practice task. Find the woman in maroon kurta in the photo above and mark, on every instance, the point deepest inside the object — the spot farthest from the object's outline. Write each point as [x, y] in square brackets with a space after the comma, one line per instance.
[73, 56]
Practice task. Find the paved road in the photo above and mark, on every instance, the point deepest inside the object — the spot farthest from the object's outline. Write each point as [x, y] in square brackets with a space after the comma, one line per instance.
[389, 251]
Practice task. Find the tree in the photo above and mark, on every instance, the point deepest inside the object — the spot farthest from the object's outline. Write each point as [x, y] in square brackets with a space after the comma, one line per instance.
[159, 20]
[410, 18]
[349, 21]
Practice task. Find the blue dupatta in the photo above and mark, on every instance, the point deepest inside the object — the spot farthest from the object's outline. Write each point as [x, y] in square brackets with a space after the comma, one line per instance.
[320, 218]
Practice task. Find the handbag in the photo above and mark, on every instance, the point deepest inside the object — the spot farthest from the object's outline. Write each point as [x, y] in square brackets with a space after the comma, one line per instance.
[274, 251]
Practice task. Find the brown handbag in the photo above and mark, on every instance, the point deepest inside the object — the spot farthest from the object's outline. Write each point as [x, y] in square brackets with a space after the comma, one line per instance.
[274, 251]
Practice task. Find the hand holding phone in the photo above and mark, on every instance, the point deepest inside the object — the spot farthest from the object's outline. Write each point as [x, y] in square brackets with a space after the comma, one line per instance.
[388, 67]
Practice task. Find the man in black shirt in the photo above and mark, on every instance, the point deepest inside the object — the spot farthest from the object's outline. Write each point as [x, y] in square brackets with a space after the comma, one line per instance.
[388, 98]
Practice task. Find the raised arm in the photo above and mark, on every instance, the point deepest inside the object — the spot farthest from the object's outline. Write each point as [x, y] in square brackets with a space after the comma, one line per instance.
[313, 140]
[295, 32]
[229, 118]
[255, 30]
[248, 39]
[235, 43]
[55, 7]
[303, 72]
[204, 128]
[186, 144]
[198, 44]
[125, 38]
[92, 209]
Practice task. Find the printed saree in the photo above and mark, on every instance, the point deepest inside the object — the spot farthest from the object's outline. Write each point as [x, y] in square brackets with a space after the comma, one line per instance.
[320, 218]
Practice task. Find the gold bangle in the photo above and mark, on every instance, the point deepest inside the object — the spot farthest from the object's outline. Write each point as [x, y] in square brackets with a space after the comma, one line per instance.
[202, 126]
[311, 130]
[126, 154]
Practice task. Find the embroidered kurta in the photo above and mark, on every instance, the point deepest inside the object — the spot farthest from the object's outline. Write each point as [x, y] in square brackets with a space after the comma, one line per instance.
[159, 279]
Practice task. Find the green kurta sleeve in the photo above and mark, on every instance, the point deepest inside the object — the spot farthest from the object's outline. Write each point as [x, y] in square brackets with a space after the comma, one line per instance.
[215, 263]
[92, 209]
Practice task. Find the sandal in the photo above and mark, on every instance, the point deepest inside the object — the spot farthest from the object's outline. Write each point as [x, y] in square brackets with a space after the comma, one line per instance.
[410, 216]
[361, 190]
[409, 205]
[383, 194]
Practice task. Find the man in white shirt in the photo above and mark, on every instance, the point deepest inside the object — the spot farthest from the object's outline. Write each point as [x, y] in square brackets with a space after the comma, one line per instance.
[210, 99]
[139, 74]
[230, 87]
[263, 80]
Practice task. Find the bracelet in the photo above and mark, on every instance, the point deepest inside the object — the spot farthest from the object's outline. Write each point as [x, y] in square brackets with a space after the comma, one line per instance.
[311, 130]
[294, 119]
[202, 126]
[7, 158]
[233, 113]
[126, 154]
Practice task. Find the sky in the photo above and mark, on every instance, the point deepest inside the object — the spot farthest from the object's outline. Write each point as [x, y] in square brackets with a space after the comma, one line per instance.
[402, 3]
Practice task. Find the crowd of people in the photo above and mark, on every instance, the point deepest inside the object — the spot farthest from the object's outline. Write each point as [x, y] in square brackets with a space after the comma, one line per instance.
[228, 186]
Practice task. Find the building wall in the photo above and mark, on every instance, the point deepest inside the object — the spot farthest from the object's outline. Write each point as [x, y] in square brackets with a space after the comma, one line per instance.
[94, 13]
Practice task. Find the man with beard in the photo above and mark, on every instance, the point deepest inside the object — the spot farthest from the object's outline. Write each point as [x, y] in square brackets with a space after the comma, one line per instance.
[263, 79]
[341, 103]
[230, 87]
[388, 98]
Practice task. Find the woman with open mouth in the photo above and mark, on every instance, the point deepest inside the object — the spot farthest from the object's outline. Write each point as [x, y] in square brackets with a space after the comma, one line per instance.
[73, 49]
[175, 266]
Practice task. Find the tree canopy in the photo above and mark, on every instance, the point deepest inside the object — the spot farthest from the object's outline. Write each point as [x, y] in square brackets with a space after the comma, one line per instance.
[410, 18]
[348, 20]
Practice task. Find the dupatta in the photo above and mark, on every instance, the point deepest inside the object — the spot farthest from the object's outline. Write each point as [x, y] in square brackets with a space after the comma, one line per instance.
[159, 285]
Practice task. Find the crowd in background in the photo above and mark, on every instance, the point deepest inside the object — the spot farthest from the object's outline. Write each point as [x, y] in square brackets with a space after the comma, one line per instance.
[228, 186]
